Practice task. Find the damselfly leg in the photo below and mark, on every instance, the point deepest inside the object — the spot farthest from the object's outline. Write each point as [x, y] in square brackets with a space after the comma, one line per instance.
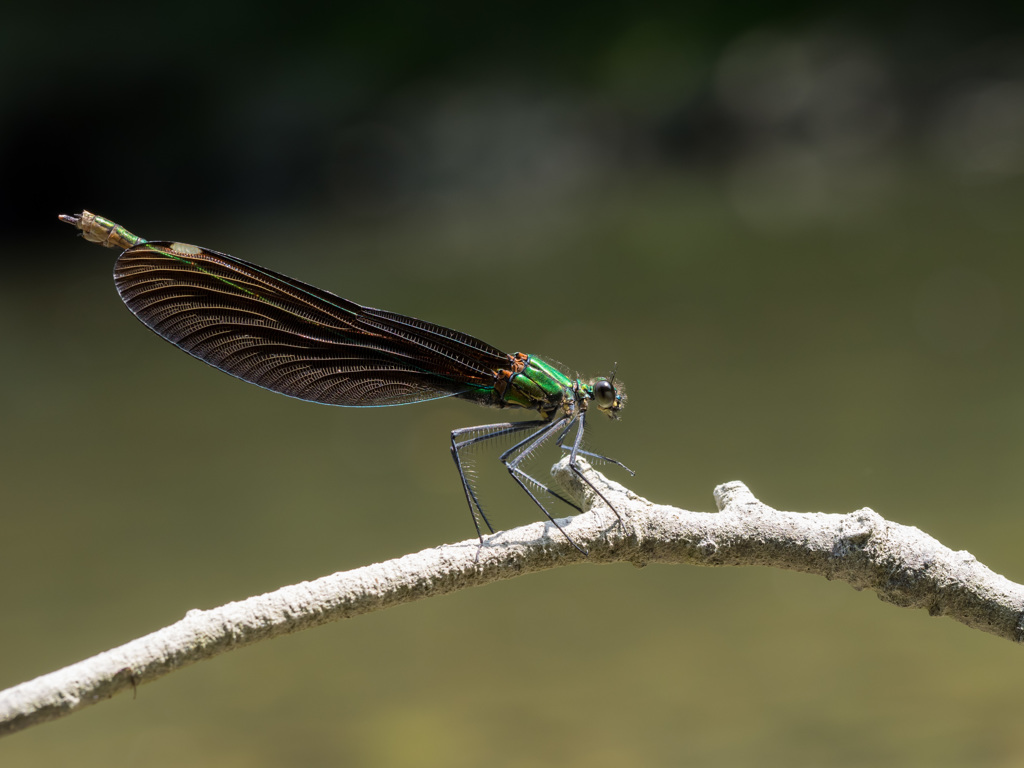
[543, 430]
[485, 432]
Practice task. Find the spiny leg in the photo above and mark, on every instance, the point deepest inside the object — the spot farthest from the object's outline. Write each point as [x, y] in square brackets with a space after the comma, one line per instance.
[592, 455]
[578, 472]
[524, 449]
[491, 431]
[579, 450]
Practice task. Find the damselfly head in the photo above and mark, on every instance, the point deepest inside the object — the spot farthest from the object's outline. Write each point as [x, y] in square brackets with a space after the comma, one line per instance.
[609, 397]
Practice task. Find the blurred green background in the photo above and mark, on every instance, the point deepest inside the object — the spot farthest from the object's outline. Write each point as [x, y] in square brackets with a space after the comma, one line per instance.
[796, 230]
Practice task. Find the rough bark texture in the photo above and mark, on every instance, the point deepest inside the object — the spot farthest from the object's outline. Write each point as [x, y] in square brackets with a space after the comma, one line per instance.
[901, 564]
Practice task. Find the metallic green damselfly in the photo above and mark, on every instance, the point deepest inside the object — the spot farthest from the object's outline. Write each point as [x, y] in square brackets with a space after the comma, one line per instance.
[290, 337]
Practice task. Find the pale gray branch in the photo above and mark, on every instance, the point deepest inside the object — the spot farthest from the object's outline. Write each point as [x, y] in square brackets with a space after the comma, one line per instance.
[903, 565]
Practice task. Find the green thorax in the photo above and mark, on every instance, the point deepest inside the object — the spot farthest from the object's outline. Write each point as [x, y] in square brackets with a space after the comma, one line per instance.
[533, 384]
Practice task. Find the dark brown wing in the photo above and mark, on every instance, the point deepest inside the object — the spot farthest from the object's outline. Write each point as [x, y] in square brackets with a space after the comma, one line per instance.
[293, 338]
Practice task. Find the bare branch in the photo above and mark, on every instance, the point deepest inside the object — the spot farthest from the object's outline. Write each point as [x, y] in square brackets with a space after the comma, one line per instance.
[903, 565]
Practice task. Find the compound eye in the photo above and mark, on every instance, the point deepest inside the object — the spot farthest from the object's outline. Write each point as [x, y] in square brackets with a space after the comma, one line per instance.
[604, 393]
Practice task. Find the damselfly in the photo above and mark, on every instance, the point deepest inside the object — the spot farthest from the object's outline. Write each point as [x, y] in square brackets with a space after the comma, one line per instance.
[301, 341]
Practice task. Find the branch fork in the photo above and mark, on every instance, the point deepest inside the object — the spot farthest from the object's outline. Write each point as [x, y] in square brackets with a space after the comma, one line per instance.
[903, 565]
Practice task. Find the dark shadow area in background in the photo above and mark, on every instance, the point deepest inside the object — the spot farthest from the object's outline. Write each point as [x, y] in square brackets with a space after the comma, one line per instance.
[223, 109]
